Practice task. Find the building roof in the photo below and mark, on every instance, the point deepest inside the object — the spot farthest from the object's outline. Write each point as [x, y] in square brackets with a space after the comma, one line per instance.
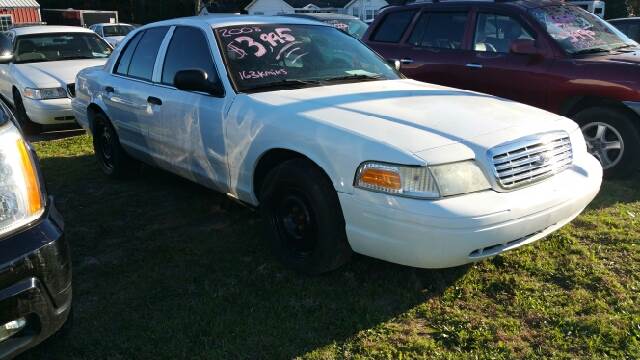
[19, 4]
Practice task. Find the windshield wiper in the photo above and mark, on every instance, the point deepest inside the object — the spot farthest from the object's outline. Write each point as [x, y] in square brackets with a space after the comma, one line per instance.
[284, 83]
[591, 51]
[355, 77]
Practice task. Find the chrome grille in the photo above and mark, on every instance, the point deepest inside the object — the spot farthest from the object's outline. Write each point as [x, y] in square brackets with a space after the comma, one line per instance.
[71, 89]
[531, 159]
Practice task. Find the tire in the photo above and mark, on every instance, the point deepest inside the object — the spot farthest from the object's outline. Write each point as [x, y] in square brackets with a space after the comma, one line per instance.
[113, 159]
[613, 138]
[303, 218]
[27, 126]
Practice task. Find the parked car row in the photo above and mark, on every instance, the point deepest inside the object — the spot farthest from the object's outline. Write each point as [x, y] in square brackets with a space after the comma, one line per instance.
[434, 161]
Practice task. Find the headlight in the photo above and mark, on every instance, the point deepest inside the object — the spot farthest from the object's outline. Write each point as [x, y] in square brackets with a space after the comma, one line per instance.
[459, 178]
[45, 94]
[21, 200]
[422, 182]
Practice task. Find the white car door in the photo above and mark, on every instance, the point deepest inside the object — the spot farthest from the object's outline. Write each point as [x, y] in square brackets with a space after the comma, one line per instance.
[128, 92]
[189, 135]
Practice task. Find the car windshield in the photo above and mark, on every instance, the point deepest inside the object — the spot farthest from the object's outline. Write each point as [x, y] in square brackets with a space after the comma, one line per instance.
[353, 27]
[579, 31]
[117, 30]
[62, 46]
[263, 57]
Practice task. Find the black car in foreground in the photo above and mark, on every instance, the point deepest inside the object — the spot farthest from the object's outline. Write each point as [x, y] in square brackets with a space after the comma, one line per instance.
[35, 266]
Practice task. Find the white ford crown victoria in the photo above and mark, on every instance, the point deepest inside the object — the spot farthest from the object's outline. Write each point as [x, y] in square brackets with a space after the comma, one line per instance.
[38, 67]
[338, 150]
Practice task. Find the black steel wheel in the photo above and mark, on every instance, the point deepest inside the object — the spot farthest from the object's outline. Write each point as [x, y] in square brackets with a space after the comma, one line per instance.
[304, 220]
[113, 159]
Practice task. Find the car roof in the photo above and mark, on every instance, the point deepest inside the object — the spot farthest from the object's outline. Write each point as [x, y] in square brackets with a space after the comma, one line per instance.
[624, 19]
[323, 16]
[223, 20]
[523, 4]
[48, 29]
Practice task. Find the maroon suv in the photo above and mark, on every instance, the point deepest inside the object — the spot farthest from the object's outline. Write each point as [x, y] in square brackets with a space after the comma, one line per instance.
[547, 54]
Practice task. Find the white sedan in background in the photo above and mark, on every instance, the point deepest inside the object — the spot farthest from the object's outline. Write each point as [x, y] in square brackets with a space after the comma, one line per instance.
[112, 33]
[38, 66]
[337, 149]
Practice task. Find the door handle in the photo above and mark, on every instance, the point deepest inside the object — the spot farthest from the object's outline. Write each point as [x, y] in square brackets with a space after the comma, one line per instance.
[474, 66]
[109, 89]
[406, 61]
[154, 100]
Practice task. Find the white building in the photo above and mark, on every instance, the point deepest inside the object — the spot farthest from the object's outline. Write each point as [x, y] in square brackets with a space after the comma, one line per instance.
[364, 9]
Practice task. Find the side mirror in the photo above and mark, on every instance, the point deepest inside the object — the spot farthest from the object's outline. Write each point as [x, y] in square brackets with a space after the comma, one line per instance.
[395, 63]
[524, 47]
[6, 57]
[197, 80]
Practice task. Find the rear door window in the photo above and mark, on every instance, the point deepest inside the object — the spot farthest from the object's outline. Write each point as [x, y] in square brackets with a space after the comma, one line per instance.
[188, 49]
[496, 33]
[444, 30]
[122, 67]
[393, 26]
[146, 52]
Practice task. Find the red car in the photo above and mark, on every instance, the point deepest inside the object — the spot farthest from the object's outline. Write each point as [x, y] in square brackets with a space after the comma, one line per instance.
[548, 54]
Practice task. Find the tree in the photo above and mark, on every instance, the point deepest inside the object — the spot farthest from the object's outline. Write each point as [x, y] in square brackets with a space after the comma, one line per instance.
[617, 8]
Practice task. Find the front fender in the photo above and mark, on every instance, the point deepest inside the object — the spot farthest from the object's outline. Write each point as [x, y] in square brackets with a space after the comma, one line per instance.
[253, 128]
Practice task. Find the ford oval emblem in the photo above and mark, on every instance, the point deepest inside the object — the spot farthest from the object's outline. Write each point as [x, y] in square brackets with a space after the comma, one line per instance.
[543, 159]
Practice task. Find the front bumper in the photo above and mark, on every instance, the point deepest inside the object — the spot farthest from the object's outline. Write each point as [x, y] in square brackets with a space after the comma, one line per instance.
[463, 229]
[35, 282]
[49, 112]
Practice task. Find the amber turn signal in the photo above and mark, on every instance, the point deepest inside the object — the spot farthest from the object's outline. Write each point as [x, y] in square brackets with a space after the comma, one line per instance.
[383, 178]
[34, 195]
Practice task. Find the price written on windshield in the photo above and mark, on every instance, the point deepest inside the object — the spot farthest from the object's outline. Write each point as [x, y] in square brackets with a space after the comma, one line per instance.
[253, 41]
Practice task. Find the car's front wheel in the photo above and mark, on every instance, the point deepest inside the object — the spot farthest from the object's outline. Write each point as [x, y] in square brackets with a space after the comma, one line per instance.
[305, 224]
[113, 159]
[27, 126]
[613, 138]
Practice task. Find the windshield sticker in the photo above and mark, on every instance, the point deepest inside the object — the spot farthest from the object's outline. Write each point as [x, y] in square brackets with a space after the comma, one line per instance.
[261, 74]
[338, 25]
[261, 57]
[573, 28]
[256, 42]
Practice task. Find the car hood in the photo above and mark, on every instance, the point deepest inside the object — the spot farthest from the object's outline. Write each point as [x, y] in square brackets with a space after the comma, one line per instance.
[415, 116]
[54, 73]
[627, 57]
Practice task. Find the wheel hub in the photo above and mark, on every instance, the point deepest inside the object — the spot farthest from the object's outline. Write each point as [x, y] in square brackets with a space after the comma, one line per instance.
[295, 223]
[604, 142]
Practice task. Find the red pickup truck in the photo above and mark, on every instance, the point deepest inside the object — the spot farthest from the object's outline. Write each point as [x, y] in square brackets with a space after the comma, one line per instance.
[548, 54]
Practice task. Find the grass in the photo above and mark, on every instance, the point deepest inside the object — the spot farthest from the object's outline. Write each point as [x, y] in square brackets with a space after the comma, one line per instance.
[166, 269]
